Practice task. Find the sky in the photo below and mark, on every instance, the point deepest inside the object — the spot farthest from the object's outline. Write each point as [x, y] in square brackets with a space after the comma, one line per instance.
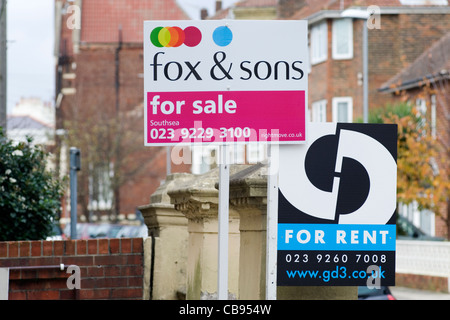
[30, 25]
[193, 7]
[30, 33]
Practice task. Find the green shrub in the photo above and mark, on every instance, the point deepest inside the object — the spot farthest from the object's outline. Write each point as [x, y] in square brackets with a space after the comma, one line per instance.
[30, 197]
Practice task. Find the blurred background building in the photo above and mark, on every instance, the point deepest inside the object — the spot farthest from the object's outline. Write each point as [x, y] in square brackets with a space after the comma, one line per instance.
[99, 84]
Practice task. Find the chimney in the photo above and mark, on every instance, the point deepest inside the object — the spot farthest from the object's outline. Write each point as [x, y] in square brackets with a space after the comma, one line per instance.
[218, 5]
[203, 14]
[286, 8]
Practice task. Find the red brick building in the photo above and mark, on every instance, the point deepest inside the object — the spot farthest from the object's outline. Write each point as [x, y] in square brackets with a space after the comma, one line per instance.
[426, 84]
[399, 32]
[397, 35]
[99, 90]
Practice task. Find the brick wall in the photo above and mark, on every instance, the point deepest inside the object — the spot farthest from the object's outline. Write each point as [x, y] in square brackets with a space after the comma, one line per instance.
[399, 41]
[416, 281]
[110, 268]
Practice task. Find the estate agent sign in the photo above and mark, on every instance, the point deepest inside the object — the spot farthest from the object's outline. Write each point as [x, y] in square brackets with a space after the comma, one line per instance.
[225, 81]
[337, 198]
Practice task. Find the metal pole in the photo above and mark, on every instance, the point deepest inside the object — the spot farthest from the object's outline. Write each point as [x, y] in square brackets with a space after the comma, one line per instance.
[74, 167]
[272, 222]
[3, 65]
[224, 188]
[365, 73]
[364, 15]
[168, 161]
[73, 204]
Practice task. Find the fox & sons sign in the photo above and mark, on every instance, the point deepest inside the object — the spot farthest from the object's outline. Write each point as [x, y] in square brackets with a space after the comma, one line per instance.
[225, 81]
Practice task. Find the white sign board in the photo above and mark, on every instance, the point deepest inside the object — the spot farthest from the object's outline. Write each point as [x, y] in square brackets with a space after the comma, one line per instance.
[225, 81]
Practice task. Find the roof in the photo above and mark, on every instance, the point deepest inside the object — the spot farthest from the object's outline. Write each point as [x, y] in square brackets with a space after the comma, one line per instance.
[432, 64]
[101, 19]
[221, 14]
[225, 13]
[313, 6]
[25, 122]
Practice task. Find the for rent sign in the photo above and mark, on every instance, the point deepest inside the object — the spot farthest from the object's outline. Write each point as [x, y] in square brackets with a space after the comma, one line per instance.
[336, 207]
[225, 81]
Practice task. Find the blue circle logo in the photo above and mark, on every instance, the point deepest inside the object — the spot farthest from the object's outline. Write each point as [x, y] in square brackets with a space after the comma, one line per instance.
[222, 36]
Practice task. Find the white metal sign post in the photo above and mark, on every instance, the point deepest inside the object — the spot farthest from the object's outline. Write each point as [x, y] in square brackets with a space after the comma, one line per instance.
[224, 194]
[221, 82]
[272, 222]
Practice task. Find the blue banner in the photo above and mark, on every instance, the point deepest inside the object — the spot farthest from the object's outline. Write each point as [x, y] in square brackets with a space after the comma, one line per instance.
[346, 237]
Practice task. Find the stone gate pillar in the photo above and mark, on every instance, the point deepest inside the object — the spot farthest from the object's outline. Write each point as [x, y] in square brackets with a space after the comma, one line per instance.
[198, 201]
[166, 247]
[248, 196]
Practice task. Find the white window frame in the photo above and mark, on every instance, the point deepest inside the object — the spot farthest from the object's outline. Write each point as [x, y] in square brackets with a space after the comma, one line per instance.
[336, 36]
[202, 158]
[423, 219]
[421, 105]
[205, 157]
[319, 111]
[433, 116]
[319, 42]
[100, 180]
[335, 104]
[256, 152]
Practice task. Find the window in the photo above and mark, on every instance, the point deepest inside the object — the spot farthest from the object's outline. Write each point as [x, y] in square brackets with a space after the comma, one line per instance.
[319, 43]
[203, 158]
[342, 39]
[206, 157]
[343, 109]
[319, 111]
[100, 186]
[433, 116]
[421, 106]
[256, 152]
[422, 219]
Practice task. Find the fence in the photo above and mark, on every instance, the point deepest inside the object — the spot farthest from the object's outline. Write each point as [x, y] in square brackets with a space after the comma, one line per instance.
[423, 264]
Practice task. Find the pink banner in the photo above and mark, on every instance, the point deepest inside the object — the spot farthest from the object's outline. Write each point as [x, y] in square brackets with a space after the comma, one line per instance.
[225, 116]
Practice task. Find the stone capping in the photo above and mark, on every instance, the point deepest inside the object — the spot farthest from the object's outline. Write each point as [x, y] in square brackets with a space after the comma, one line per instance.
[198, 198]
[160, 212]
[160, 196]
[248, 188]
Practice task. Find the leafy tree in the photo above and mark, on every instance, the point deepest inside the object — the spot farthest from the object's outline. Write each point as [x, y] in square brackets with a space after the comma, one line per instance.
[422, 166]
[29, 194]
